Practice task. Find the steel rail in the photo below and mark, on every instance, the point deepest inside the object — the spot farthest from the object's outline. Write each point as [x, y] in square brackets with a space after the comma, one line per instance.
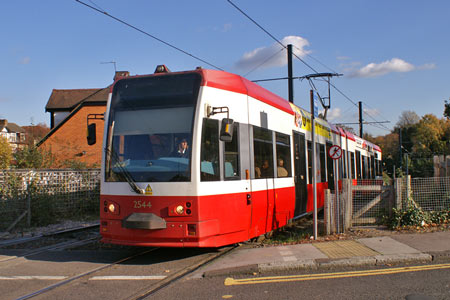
[180, 274]
[84, 274]
[19, 241]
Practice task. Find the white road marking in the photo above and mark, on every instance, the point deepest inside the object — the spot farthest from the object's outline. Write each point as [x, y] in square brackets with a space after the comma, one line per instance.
[285, 253]
[154, 277]
[32, 277]
[289, 258]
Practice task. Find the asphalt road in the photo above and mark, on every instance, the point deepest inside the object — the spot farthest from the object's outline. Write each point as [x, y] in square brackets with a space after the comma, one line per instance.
[417, 285]
[26, 275]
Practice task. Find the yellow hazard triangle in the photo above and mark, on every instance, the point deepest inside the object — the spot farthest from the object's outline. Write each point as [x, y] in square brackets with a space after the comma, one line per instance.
[148, 190]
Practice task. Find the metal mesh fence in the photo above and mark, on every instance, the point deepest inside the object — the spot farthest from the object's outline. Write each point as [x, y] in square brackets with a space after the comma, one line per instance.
[41, 197]
[430, 194]
[371, 201]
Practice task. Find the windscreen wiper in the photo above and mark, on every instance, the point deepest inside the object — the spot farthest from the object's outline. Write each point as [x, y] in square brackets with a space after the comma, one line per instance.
[123, 171]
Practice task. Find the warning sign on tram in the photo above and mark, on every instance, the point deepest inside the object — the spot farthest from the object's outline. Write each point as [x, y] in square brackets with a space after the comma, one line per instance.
[335, 152]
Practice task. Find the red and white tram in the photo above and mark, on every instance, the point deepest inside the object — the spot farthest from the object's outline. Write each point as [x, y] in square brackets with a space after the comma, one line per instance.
[207, 158]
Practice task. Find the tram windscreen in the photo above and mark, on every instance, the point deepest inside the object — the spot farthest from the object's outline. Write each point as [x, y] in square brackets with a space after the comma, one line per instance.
[150, 128]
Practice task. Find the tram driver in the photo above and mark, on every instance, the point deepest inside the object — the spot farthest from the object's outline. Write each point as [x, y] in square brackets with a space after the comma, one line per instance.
[182, 149]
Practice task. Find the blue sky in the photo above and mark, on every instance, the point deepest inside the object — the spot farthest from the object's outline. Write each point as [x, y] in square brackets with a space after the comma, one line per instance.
[394, 54]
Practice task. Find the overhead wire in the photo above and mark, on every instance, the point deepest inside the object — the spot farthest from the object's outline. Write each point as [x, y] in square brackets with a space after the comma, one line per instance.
[263, 63]
[269, 34]
[100, 10]
[284, 47]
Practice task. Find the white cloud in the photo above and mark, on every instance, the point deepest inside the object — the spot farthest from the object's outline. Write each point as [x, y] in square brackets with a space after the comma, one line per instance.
[25, 60]
[272, 56]
[389, 66]
[334, 113]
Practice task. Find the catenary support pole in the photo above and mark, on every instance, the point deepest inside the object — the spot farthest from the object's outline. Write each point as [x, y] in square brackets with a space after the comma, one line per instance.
[313, 141]
[360, 120]
[290, 76]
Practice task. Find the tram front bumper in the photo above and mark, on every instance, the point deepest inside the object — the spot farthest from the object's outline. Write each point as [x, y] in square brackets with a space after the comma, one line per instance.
[144, 221]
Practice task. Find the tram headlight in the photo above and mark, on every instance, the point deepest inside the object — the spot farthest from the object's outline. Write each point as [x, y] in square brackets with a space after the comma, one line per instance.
[179, 209]
[112, 208]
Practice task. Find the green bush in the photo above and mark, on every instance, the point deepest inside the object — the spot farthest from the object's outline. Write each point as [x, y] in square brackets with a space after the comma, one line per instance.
[416, 217]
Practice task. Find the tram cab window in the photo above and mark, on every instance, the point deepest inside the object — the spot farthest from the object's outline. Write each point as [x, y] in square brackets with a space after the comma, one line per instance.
[283, 148]
[209, 156]
[231, 156]
[263, 153]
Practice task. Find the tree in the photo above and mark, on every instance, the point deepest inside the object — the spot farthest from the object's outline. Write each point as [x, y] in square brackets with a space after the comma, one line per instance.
[389, 148]
[430, 135]
[430, 138]
[35, 133]
[447, 109]
[407, 118]
[5, 153]
[33, 158]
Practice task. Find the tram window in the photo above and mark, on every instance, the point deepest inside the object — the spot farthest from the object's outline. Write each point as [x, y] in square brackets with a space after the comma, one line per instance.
[344, 164]
[352, 165]
[263, 153]
[358, 165]
[364, 168]
[321, 153]
[310, 162]
[283, 148]
[232, 165]
[373, 171]
[209, 157]
[380, 170]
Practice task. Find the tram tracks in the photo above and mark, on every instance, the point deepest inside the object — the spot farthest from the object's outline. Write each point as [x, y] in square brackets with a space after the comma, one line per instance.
[50, 242]
[180, 274]
[147, 290]
[82, 275]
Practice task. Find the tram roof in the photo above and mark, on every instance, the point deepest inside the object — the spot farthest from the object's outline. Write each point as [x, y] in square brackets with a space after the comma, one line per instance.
[238, 84]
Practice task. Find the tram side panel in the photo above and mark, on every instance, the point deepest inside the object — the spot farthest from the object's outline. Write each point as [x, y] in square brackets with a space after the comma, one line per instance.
[273, 193]
[224, 191]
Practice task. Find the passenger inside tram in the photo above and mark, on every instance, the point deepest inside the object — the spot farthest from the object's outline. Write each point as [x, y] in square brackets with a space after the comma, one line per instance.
[281, 170]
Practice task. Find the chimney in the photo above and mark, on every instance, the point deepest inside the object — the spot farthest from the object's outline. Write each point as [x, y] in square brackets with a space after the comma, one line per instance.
[3, 123]
[121, 74]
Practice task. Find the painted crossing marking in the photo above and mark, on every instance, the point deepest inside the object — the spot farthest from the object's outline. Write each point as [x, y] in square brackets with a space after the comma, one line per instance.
[43, 277]
[287, 255]
[275, 279]
[32, 277]
[154, 277]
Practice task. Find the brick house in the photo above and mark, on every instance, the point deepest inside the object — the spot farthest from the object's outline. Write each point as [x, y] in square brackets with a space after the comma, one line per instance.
[14, 134]
[69, 110]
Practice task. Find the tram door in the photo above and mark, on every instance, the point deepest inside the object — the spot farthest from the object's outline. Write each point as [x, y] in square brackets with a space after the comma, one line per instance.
[301, 195]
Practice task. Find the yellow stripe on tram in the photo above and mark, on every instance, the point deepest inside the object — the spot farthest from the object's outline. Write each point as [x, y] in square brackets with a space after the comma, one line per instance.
[231, 281]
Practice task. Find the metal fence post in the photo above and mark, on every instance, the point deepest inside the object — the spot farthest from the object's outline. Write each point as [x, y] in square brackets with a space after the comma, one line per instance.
[347, 199]
[28, 207]
[326, 211]
[398, 193]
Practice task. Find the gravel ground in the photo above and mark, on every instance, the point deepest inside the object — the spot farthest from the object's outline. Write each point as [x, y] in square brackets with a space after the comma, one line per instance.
[36, 231]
